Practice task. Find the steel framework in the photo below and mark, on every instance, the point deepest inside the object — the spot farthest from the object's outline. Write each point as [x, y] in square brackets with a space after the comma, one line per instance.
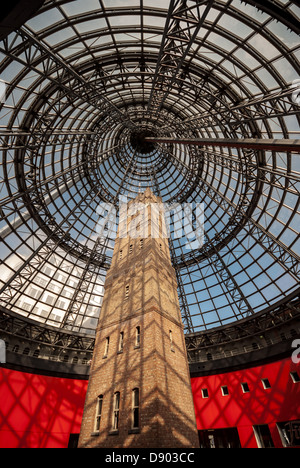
[196, 99]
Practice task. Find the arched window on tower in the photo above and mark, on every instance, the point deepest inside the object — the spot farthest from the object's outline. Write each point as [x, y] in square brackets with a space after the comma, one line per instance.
[137, 337]
[135, 408]
[98, 413]
[116, 412]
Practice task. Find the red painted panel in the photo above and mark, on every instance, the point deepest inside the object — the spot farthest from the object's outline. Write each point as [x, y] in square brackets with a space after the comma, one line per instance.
[243, 410]
[38, 411]
[42, 412]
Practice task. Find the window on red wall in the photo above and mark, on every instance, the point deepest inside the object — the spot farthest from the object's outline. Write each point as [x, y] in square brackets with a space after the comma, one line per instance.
[290, 433]
[263, 436]
[220, 438]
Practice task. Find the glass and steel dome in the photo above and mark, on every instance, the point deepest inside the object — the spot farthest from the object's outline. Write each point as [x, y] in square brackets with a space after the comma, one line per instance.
[84, 84]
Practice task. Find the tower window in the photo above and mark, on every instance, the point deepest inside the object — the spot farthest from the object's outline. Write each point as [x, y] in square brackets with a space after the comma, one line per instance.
[130, 249]
[204, 392]
[127, 290]
[171, 341]
[138, 337]
[136, 409]
[106, 347]
[116, 413]
[121, 254]
[121, 342]
[141, 243]
[98, 413]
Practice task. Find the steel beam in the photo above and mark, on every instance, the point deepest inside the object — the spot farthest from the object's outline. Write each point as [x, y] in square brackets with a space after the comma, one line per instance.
[241, 218]
[247, 143]
[289, 260]
[183, 24]
[38, 57]
[276, 104]
[262, 325]
[36, 141]
[44, 251]
[275, 10]
[26, 329]
[25, 216]
[73, 311]
[15, 13]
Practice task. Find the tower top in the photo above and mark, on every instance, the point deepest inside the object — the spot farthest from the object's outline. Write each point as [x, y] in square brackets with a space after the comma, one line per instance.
[142, 218]
[147, 196]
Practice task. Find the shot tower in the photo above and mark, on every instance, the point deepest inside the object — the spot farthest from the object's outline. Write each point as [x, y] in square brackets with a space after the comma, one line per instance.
[139, 393]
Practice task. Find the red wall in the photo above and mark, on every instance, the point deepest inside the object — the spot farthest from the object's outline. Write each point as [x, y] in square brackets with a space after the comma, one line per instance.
[42, 412]
[280, 403]
[37, 411]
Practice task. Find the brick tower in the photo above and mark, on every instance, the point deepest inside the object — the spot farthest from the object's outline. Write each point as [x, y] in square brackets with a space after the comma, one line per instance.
[139, 393]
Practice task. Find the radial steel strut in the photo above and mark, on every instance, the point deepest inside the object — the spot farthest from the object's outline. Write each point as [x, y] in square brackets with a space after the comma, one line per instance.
[255, 144]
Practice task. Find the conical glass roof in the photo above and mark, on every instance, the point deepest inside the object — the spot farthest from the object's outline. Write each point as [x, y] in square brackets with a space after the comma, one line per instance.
[83, 84]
